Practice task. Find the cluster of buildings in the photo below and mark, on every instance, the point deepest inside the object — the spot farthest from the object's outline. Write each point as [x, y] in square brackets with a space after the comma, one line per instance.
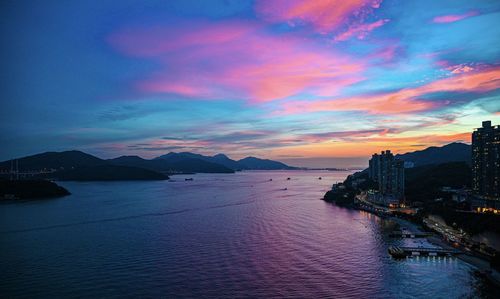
[389, 173]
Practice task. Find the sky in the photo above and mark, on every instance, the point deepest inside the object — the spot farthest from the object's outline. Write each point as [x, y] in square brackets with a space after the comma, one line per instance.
[312, 83]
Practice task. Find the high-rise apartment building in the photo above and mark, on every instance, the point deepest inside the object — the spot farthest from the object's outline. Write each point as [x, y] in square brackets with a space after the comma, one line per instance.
[389, 173]
[486, 161]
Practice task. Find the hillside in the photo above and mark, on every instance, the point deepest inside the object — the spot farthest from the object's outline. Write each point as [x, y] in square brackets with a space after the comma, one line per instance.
[189, 162]
[76, 165]
[248, 163]
[136, 161]
[423, 183]
[172, 163]
[226, 161]
[453, 152]
[55, 160]
[108, 173]
[262, 164]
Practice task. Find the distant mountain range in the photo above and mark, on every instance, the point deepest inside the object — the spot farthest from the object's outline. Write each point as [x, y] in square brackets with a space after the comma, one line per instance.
[248, 163]
[77, 165]
[453, 152]
[189, 162]
[172, 164]
[80, 166]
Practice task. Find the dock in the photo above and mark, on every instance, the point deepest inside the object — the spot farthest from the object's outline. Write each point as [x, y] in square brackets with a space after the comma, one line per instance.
[401, 234]
[401, 252]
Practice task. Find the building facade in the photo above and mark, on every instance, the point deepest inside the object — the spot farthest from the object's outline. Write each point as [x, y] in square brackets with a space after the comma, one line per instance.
[486, 161]
[389, 173]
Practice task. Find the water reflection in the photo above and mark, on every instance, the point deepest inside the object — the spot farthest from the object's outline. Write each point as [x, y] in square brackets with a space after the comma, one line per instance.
[238, 235]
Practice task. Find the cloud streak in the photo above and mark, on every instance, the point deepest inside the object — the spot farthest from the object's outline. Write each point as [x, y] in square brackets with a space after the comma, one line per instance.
[454, 18]
[406, 100]
[324, 15]
[360, 31]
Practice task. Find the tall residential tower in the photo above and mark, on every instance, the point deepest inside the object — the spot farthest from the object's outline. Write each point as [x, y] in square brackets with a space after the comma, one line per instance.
[486, 161]
[389, 173]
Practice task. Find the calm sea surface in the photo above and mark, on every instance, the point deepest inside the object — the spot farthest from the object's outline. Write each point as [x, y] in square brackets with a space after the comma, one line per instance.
[221, 235]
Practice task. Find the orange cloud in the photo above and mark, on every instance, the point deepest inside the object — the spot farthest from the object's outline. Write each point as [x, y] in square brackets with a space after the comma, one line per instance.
[428, 140]
[405, 100]
[368, 146]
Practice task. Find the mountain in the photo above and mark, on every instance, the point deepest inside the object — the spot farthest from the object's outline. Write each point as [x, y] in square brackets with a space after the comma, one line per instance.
[54, 160]
[262, 164]
[226, 161]
[77, 165]
[176, 157]
[197, 165]
[434, 177]
[189, 162]
[136, 161]
[109, 173]
[453, 152]
[248, 163]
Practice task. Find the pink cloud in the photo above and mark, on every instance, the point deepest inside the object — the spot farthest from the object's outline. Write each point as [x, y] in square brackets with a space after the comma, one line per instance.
[344, 135]
[388, 53]
[360, 31]
[236, 60]
[404, 101]
[158, 40]
[427, 139]
[388, 104]
[458, 69]
[454, 18]
[324, 15]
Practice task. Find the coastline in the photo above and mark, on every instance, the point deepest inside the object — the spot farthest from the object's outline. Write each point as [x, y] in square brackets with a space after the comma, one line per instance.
[479, 263]
[347, 198]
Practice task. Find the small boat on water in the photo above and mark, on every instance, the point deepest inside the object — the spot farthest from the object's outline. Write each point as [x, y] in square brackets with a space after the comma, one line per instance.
[188, 179]
[319, 178]
[396, 252]
[288, 179]
[270, 180]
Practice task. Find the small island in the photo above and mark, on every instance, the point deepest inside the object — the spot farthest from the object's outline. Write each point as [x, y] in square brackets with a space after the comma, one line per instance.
[30, 189]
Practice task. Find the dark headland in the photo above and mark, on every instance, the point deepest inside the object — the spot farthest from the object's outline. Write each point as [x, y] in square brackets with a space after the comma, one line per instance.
[30, 189]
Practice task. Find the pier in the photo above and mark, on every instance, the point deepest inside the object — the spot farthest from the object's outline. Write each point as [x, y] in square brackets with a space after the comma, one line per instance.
[403, 234]
[401, 252]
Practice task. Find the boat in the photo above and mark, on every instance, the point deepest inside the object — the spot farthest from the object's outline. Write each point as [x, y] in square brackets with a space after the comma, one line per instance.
[288, 179]
[319, 178]
[188, 179]
[396, 252]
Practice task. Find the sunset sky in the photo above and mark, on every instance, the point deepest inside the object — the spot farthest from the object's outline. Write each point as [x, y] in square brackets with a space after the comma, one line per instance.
[292, 80]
